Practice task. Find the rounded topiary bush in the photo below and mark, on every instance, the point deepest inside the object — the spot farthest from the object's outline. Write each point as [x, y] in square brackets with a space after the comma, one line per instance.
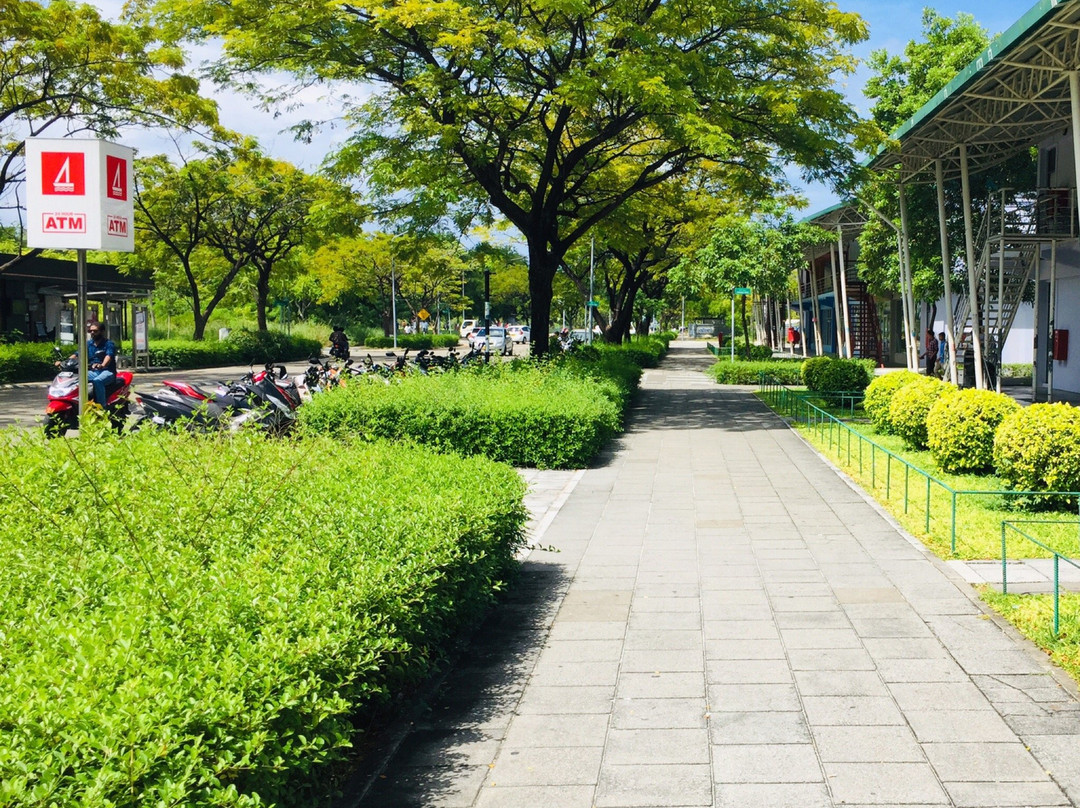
[910, 406]
[960, 429]
[829, 374]
[879, 395]
[1038, 449]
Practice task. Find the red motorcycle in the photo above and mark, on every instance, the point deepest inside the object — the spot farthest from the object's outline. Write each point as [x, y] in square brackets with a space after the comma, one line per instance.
[62, 408]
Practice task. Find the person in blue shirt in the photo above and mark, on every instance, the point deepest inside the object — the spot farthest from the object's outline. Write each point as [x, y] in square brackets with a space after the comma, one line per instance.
[101, 364]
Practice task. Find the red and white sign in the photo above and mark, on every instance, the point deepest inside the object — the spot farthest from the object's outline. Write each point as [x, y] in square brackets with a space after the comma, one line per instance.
[79, 195]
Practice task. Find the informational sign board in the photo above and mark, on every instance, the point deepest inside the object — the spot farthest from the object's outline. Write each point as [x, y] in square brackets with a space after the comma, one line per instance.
[742, 290]
[79, 195]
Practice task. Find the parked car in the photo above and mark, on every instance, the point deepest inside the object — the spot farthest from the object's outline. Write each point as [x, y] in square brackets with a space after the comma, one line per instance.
[519, 333]
[471, 334]
[466, 327]
[496, 341]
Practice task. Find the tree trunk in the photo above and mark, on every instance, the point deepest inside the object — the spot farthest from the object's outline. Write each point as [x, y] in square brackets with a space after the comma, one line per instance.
[542, 267]
[262, 295]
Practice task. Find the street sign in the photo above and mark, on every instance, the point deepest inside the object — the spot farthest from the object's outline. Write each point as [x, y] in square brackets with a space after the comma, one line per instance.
[79, 195]
[592, 304]
[423, 314]
[742, 290]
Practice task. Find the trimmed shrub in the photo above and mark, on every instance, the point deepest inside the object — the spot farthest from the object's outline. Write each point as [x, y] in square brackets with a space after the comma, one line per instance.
[960, 429]
[26, 362]
[555, 415]
[1038, 449]
[910, 406]
[879, 395]
[779, 370]
[830, 374]
[214, 635]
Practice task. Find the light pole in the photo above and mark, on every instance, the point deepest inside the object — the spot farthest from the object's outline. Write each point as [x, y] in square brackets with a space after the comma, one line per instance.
[393, 298]
[487, 311]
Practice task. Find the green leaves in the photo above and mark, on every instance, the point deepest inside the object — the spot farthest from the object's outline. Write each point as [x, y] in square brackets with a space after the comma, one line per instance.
[208, 635]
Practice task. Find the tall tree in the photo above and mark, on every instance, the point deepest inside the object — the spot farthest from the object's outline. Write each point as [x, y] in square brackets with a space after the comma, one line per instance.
[555, 114]
[63, 69]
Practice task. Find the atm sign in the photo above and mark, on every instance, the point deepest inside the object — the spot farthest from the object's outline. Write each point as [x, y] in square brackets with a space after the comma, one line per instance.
[63, 174]
[63, 222]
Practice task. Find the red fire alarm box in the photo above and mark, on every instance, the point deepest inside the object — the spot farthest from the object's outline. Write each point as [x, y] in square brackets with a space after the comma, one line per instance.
[1061, 344]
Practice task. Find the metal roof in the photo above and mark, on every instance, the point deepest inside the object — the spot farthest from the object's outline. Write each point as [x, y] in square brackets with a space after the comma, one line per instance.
[1015, 94]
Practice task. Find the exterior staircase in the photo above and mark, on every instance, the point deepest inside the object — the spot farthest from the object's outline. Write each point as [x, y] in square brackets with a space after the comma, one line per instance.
[1012, 231]
[865, 327]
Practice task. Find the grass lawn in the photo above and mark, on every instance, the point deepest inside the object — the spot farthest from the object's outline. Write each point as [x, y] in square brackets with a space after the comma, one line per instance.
[980, 511]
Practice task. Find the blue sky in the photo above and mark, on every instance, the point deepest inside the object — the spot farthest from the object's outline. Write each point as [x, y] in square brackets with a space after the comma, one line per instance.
[894, 23]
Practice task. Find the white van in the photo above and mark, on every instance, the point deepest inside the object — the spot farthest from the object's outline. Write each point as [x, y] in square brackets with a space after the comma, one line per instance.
[466, 327]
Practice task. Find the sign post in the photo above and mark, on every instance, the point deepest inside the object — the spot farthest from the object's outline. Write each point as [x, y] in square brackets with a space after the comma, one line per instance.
[738, 290]
[78, 197]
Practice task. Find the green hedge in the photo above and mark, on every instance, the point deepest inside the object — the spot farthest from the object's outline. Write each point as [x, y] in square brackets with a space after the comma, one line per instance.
[550, 415]
[1038, 449]
[879, 396]
[784, 371]
[26, 362]
[204, 621]
[911, 405]
[960, 429]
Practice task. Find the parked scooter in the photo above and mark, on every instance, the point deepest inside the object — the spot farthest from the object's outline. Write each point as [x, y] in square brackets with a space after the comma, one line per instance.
[62, 407]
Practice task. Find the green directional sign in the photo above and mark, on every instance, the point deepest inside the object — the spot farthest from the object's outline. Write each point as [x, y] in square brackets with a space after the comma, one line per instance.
[742, 290]
[592, 304]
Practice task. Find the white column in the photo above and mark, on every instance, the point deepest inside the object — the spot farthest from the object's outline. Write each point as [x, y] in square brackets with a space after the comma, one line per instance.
[1074, 98]
[843, 292]
[906, 284]
[836, 303]
[1052, 302]
[946, 274]
[973, 288]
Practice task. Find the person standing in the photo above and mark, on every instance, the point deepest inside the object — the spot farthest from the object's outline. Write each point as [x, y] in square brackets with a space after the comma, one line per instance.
[931, 352]
[943, 347]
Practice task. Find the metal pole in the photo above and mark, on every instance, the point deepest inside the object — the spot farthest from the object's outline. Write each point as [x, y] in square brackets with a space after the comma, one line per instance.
[589, 305]
[1052, 303]
[393, 298]
[80, 325]
[487, 310]
[1000, 297]
[732, 325]
[973, 284]
[946, 274]
[1035, 337]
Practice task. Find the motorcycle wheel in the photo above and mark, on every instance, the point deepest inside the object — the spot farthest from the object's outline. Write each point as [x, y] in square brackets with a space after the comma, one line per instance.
[56, 426]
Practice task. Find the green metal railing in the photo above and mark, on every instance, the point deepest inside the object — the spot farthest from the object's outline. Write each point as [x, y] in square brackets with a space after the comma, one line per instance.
[1008, 525]
[840, 437]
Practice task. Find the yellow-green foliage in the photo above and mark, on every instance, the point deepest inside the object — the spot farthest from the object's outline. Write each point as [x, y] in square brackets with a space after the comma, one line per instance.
[203, 621]
[911, 404]
[879, 395]
[1038, 449]
[960, 428]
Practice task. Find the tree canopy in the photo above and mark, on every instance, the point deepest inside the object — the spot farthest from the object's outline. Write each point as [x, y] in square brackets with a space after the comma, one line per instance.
[555, 115]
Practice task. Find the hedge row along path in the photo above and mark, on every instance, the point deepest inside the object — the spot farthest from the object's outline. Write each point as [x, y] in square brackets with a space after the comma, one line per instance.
[715, 617]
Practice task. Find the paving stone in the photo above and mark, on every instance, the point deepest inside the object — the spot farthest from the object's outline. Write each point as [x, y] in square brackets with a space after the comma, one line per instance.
[657, 640]
[582, 651]
[747, 671]
[741, 630]
[935, 724]
[557, 730]
[745, 698]
[772, 795]
[748, 728]
[851, 710]
[594, 605]
[890, 784]
[534, 796]
[773, 763]
[974, 762]
[957, 695]
[650, 661]
[575, 674]
[657, 786]
[996, 794]
[942, 669]
[436, 787]
[840, 659]
[648, 621]
[541, 700]
[867, 744]
[657, 746]
[820, 638]
[659, 713]
[744, 649]
[840, 683]
[546, 766]
[661, 685]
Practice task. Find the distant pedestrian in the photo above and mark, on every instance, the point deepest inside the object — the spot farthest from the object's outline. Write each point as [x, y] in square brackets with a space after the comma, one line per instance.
[931, 352]
[943, 347]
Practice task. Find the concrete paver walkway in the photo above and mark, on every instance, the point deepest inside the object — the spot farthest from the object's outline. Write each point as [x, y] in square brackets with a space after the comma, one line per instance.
[714, 617]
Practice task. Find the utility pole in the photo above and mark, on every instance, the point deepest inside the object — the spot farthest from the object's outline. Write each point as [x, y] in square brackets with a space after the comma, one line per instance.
[487, 311]
[393, 298]
[589, 305]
